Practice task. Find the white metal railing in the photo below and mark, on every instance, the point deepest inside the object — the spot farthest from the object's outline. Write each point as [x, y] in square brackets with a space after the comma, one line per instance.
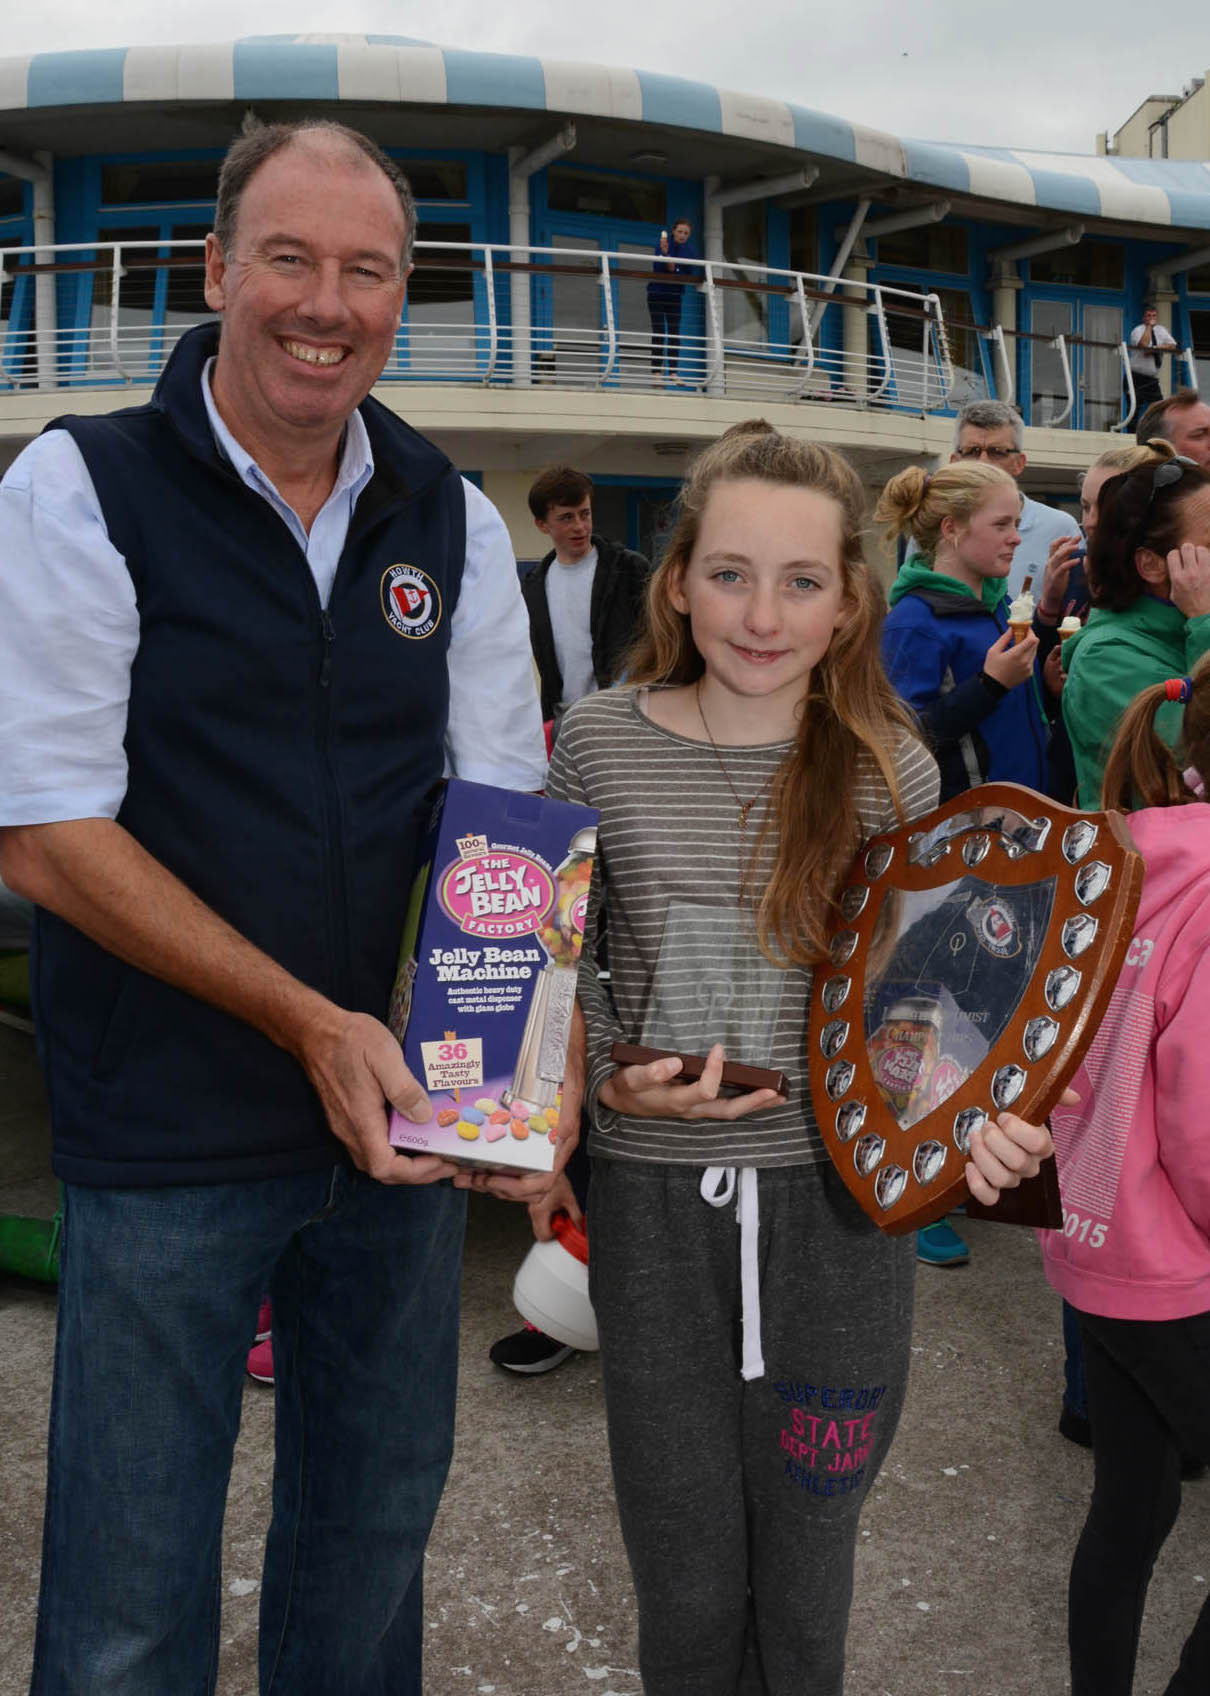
[1059, 344]
[746, 331]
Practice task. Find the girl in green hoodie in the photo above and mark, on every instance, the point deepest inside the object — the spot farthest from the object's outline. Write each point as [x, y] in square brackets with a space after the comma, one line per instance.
[1149, 580]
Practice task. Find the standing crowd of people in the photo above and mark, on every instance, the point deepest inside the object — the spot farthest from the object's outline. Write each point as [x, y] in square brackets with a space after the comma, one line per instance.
[222, 724]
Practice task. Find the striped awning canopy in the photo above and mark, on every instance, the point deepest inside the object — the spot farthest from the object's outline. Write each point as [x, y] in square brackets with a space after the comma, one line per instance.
[377, 69]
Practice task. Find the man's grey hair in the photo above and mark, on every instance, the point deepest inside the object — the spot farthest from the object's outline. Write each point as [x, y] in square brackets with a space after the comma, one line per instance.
[990, 415]
[257, 142]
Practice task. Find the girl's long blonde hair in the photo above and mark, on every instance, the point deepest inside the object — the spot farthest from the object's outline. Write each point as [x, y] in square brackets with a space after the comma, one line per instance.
[850, 711]
[1141, 770]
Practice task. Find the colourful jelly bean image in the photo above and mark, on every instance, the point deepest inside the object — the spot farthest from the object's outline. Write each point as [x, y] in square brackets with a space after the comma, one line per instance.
[472, 1116]
[562, 935]
[495, 1131]
[487, 1105]
[467, 1131]
[449, 1116]
[520, 1129]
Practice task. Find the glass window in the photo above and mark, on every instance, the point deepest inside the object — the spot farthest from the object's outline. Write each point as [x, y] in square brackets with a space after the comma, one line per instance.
[905, 327]
[1199, 340]
[804, 240]
[10, 282]
[439, 325]
[1048, 397]
[1087, 265]
[137, 283]
[1197, 281]
[158, 181]
[186, 276]
[628, 198]
[441, 279]
[17, 347]
[745, 305]
[1101, 368]
[435, 179]
[12, 197]
[965, 353]
[929, 247]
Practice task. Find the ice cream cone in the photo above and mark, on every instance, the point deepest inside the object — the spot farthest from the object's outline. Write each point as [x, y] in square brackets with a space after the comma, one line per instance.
[1020, 632]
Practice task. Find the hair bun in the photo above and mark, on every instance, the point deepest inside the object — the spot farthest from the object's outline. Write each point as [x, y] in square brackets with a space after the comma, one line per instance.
[749, 427]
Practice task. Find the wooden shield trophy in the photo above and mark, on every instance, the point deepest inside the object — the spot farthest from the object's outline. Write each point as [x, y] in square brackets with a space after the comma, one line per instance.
[974, 958]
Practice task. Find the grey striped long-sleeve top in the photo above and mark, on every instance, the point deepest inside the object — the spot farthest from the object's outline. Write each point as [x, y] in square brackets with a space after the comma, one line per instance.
[685, 967]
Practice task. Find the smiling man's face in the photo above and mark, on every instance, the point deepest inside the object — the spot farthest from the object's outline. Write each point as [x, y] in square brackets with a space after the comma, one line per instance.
[311, 292]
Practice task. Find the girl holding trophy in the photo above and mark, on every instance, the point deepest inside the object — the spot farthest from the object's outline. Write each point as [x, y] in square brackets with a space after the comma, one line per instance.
[753, 1375]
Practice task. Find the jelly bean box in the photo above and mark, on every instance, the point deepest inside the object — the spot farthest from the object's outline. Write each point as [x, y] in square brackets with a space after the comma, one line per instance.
[487, 972]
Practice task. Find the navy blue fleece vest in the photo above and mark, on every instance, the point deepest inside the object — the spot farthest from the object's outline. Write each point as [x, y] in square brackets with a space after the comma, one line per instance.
[278, 758]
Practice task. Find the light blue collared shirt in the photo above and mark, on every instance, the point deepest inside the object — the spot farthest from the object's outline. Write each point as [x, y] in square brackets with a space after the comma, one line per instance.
[324, 544]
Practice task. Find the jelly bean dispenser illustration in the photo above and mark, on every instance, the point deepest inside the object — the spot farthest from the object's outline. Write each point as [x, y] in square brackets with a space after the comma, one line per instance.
[543, 1052]
[486, 985]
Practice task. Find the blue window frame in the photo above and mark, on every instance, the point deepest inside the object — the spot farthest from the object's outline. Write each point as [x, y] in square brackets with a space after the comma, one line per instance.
[1050, 309]
[963, 302]
[152, 303]
[17, 354]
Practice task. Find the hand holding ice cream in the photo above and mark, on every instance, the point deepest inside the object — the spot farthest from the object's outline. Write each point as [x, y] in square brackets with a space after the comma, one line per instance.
[1021, 613]
[1008, 662]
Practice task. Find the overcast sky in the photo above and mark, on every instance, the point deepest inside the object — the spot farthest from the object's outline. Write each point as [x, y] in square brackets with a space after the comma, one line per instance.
[1029, 73]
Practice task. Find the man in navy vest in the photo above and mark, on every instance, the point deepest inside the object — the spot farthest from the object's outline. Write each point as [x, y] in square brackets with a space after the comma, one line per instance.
[223, 723]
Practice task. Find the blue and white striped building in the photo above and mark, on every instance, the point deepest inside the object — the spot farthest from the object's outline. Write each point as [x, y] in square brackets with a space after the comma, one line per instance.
[855, 285]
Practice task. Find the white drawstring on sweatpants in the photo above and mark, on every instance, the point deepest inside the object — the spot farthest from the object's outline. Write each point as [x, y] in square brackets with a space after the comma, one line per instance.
[718, 1187]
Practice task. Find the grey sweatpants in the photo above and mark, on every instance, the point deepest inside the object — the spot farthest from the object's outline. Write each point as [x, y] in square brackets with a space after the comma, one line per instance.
[739, 1501]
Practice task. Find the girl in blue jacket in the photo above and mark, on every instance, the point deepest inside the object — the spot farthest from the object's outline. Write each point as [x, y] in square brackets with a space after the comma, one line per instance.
[946, 643]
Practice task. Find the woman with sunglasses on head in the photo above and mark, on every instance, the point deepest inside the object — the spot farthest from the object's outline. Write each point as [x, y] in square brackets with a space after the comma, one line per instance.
[1149, 580]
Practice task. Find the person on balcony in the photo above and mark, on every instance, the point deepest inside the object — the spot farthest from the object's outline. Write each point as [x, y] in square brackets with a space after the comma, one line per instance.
[1184, 420]
[666, 298]
[585, 597]
[992, 432]
[226, 699]
[1146, 361]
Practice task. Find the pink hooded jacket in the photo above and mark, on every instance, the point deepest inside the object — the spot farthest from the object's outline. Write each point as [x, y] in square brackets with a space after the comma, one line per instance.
[1134, 1156]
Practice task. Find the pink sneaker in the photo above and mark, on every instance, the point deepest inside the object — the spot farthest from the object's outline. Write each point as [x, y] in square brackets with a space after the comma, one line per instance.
[264, 1321]
[260, 1362]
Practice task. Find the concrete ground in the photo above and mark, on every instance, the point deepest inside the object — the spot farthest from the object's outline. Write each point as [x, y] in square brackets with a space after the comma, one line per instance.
[962, 1565]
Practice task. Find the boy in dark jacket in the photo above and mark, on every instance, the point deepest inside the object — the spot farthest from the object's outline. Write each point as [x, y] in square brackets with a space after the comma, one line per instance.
[585, 598]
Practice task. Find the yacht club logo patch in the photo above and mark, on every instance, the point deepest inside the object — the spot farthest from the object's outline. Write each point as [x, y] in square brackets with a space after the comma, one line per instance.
[995, 925]
[411, 601]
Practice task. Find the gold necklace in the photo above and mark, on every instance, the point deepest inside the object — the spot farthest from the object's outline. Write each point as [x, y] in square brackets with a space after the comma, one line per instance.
[743, 808]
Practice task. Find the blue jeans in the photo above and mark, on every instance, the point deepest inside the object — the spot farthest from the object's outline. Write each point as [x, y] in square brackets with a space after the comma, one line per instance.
[1075, 1390]
[158, 1295]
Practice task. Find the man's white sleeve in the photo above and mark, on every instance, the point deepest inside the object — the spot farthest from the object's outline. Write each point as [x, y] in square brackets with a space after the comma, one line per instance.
[69, 630]
[495, 723]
